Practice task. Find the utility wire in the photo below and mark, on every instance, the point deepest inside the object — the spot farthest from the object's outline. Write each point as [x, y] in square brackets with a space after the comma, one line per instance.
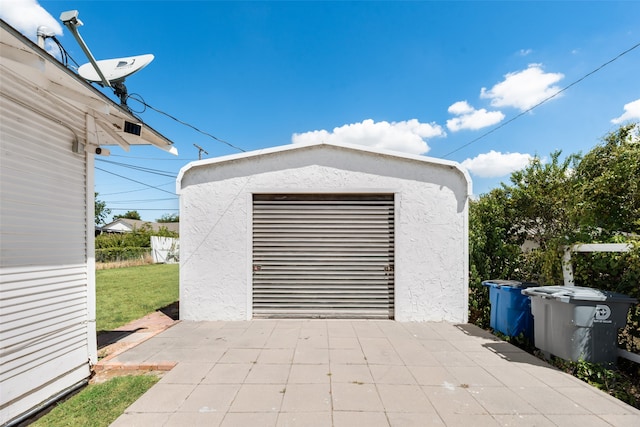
[133, 180]
[144, 200]
[63, 53]
[172, 159]
[140, 168]
[541, 102]
[138, 209]
[138, 98]
[120, 202]
[135, 191]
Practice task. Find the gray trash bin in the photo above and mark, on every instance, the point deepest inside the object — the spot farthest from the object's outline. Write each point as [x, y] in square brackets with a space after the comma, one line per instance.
[577, 323]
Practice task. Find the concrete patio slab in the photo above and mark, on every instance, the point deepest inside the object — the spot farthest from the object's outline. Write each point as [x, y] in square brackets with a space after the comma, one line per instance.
[285, 373]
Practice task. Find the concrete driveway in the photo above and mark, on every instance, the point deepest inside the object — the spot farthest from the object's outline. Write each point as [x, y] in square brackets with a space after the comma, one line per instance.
[356, 374]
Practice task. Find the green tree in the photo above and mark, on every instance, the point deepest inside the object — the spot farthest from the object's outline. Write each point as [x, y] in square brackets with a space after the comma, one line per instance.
[101, 211]
[169, 218]
[542, 199]
[494, 249]
[608, 186]
[128, 215]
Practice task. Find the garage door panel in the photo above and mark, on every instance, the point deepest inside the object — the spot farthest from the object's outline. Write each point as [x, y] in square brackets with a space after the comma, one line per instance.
[323, 256]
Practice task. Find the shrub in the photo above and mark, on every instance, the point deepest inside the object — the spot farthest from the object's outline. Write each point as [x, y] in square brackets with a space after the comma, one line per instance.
[120, 254]
[126, 246]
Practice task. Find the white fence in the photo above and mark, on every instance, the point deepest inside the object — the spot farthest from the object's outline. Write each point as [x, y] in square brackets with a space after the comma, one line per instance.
[165, 250]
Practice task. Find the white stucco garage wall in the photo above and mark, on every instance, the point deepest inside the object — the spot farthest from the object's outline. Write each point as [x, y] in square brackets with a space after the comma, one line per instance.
[431, 220]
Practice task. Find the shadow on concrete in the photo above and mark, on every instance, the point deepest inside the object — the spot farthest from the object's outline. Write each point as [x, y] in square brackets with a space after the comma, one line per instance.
[106, 338]
[505, 350]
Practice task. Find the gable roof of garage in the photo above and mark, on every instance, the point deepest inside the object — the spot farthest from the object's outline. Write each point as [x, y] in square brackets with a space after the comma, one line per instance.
[448, 164]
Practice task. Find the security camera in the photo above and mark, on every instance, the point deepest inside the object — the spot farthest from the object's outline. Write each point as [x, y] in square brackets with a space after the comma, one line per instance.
[70, 17]
[102, 151]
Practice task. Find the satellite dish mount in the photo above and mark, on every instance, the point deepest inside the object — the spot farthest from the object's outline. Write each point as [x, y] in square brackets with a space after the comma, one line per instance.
[121, 91]
[109, 72]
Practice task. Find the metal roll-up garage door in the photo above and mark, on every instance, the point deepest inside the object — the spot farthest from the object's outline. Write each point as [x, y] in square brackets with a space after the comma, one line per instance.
[323, 255]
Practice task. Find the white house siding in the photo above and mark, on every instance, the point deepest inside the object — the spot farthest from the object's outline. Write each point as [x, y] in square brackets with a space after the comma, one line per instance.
[46, 288]
[431, 236]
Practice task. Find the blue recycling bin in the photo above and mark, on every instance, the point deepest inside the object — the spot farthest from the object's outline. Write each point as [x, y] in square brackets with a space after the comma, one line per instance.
[510, 310]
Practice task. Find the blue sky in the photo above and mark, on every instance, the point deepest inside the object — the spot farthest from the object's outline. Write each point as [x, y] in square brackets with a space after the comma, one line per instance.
[420, 77]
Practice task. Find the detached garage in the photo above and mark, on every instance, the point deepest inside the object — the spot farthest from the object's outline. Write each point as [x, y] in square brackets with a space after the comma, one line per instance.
[324, 231]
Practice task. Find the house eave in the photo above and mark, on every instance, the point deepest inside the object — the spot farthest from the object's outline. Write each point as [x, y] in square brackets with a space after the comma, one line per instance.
[24, 59]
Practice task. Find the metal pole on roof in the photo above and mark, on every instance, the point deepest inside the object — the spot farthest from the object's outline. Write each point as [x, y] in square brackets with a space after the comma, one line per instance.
[71, 21]
[200, 151]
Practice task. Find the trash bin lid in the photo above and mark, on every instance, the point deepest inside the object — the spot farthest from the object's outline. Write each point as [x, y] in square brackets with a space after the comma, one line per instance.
[577, 293]
[498, 283]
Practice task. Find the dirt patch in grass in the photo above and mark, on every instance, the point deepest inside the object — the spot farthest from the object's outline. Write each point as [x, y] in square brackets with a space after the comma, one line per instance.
[146, 260]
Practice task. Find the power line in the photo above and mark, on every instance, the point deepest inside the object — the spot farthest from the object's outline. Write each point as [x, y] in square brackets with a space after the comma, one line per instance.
[137, 209]
[138, 98]
[133, 180]
[542, 102]
[134, 191]
[140, 168]
[172, 159]
[120, 202]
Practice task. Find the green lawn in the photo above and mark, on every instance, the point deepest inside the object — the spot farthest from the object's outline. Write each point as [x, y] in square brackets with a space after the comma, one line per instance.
[126, 294]
[99, 404]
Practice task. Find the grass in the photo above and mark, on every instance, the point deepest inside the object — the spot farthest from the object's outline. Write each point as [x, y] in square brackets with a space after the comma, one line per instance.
[126, 294]
[98, 404]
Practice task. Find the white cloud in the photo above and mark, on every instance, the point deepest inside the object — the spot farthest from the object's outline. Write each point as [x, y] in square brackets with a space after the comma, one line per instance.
[406, 136]
[523, 89]
[470, 118]
[494, 163]
[525, 52]
[27, 15]
[631, 112]
[460, 107]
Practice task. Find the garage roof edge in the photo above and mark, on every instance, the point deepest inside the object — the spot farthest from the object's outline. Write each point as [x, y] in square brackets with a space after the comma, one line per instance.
[293, 147]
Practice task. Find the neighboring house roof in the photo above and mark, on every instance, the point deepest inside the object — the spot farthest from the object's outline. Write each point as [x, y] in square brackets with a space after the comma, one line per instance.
[127, 225]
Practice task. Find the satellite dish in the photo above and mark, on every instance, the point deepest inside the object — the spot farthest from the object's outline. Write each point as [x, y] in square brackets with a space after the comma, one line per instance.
[116, 69]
